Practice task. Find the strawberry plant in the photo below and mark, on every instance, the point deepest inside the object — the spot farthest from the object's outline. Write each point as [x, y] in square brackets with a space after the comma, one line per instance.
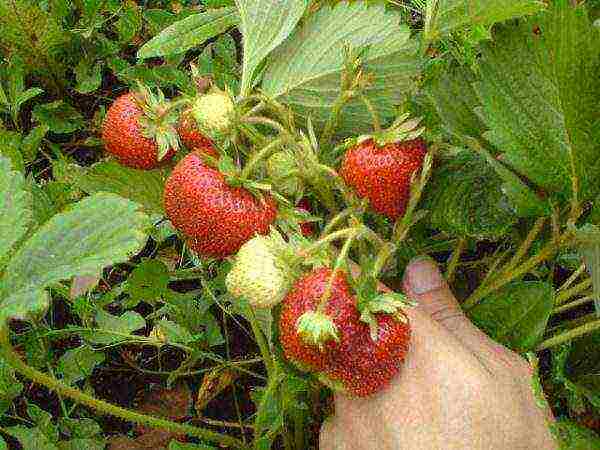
[199, 203]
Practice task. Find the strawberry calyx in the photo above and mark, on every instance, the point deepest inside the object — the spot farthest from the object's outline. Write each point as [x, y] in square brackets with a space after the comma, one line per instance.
[387, 303]
[316, 328]
[403, 129]
[158, 120]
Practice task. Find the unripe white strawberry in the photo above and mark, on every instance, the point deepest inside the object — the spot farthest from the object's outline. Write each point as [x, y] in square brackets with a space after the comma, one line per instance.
[260, 273]
[213, 112]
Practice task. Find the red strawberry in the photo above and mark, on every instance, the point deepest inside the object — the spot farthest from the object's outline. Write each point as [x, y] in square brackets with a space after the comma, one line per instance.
[191, 136]
[138, 130]
[307, 228]
[215, 217]
[305, 296]
[382, 173]
[365, 366]
[355, 363]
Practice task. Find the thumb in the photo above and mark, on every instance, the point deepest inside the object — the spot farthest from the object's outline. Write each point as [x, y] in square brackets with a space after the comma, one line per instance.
[424, 283]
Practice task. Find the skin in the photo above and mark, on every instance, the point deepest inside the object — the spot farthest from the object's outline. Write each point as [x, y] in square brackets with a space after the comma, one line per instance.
[457, 390]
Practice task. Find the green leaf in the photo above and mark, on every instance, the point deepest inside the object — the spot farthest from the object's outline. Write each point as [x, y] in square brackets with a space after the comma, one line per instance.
[88, 75]
[77, 364]
[23, 305]
[190, 32]
[524, 201]
[445, 16]
[3, 444]
[265, 24]
[130, 21]
[517, 314]
[454, 99]
[58, 116]
[43, 420]
[572, 436]
[31, 142]
[543, 114]
[465, 198]
[15, 208]
[24, 97]
[587, 241]
[582, 367]
[173, 332]
[147, 282]
[111, 329]
[10, 387]
[79, 428]
[97, 231]
[110, 176]
[305, 71]
[31, 438]
[10, 147]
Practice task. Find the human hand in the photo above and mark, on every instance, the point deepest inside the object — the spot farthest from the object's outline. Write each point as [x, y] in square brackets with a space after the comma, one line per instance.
[458, 389]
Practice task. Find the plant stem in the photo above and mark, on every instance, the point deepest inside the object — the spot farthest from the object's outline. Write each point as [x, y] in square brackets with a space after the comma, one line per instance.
[262, 343]
[299, 430]
[11, 357]
[573, 304]
[331, 237]
[453, 264]
[337, 219]
[569, 335]
[338, 263]
[526, 245]
[506, 277]
[572, 278]
[334, 117]
[372, 112]
[256, 120]
[259, 156]
[565, 295]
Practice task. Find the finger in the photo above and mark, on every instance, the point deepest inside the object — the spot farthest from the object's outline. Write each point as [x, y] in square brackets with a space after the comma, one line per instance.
[424, 283]
[330, 438]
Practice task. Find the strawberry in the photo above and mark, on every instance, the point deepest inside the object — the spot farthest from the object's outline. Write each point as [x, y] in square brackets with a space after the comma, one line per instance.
[208, 118]
[139, 130]
[215, 217]
[304, 297]
[383, 174]
[356, 362]
[307, 228]
[262, 271]
[191, 136]
[364, 366]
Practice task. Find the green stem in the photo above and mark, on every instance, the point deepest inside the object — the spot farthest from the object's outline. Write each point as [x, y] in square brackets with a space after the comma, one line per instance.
[255, 120]
[334, 118]
[569, 335]
[11, 357]
[572, 278]
[337, 219]
[386, 251]
[573, 304]
[338, 264]
[262, 343]
[526, 245]
[372, 112]
[299, 429]
[453, 264]
[565, 295]
[256, 157]
[506, 277]
[329, 238]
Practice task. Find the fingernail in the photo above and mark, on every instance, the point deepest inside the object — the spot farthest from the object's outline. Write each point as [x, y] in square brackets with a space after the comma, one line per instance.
[422, 275]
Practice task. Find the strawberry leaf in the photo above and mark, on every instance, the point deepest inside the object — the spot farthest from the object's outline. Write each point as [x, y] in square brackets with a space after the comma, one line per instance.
[264, 24]
[539, 95]
[144, 187]
[305, 71]
[517, 314]
[97, 231]
[190, 32]
[15, 208]
[445, 16]
[465, 198]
